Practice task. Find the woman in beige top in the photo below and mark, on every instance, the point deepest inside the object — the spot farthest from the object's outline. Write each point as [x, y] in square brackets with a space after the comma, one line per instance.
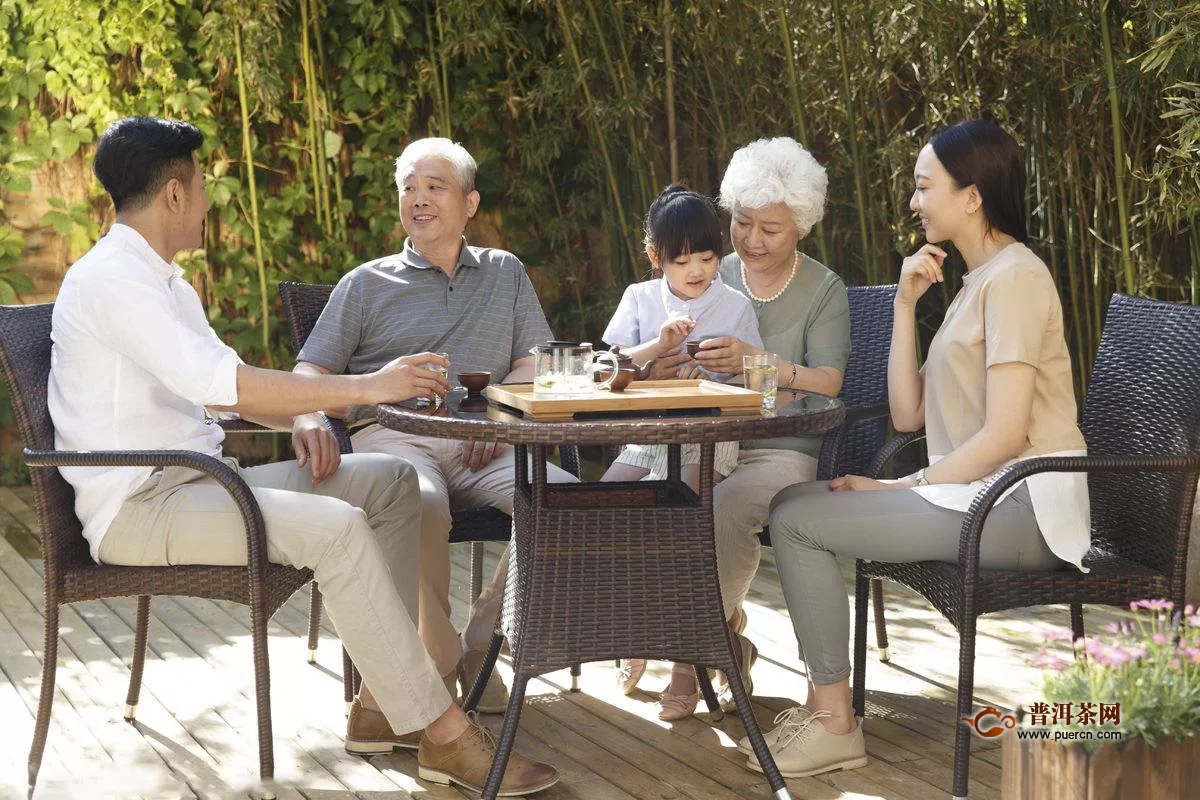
[995, 388]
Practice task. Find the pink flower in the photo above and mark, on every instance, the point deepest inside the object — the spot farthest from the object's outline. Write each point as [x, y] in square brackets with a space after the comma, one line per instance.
[1057, 635]
[1152, 605]
[1159, 638]
[1194, 620]
[1113, 628]
[1174, 663]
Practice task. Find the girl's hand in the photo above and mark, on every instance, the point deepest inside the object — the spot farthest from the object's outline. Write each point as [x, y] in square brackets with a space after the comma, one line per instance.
[857, 483]
[673, 333]
[918, 272]
[724, 354]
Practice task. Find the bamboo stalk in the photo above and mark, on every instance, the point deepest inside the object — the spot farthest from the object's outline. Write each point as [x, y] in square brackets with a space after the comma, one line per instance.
[860, 191]
[1114, 107]
[785, 30]
[447, 125]
[565, 23]
[314, 148]
[672, 141]
[618, 77]
[248, 156]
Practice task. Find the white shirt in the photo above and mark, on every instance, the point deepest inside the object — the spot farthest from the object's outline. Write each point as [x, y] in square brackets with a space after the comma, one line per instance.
[645, 306]
[1059, 499]
[132, 366]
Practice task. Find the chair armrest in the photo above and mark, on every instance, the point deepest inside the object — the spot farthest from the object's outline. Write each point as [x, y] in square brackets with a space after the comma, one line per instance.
[890, 448]
[981, 506]
[241, 426]
[222, 473]
[829, 462]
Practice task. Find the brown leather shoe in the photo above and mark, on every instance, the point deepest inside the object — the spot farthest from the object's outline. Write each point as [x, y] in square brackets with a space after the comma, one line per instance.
[467, 759]
[368, 733]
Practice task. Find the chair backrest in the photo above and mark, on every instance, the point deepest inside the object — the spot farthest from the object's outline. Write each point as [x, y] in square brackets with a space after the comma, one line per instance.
[865, 381]
[1144, 400]
[25, 362]
[303, 304]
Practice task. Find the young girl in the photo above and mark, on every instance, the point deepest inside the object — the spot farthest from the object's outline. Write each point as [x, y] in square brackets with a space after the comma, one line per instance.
[654, 319]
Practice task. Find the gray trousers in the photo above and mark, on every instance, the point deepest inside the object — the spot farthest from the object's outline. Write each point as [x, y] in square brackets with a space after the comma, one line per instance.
[811, 526]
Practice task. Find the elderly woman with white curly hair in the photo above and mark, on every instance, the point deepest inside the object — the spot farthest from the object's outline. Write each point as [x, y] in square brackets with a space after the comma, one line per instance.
[774, 191]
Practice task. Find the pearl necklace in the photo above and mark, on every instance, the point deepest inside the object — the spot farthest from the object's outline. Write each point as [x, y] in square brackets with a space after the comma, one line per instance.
[756, 298]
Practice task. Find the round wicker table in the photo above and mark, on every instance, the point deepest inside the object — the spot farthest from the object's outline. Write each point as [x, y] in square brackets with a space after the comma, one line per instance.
[594, 565]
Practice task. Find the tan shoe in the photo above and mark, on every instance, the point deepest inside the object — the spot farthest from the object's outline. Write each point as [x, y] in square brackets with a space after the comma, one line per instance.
[803, 748]
[783, 720]
[631, 671]
[674, 707]
[467, 760]
[494, 699]
[368, 733]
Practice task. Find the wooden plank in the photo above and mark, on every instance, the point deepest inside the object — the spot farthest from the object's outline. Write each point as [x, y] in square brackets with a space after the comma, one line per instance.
[638, 396]
[91, 738]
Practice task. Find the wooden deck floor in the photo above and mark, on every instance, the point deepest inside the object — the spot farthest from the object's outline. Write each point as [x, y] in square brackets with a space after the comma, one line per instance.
[195, 735]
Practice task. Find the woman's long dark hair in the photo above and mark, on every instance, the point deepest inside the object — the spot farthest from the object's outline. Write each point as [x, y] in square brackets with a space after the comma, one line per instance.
[983, 154]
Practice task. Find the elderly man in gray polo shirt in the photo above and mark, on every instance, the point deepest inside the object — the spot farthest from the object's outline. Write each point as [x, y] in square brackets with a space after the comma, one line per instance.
[438, 294]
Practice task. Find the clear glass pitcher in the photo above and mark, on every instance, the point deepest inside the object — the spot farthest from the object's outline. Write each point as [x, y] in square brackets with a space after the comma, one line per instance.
[564, 369]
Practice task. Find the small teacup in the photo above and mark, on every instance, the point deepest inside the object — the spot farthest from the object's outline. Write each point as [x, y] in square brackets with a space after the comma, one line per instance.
[693, 347]
[475, 382]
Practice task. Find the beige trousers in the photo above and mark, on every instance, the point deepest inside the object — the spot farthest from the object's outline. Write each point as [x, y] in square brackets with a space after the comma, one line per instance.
[348, 529]
[446, 483]
[741, 506]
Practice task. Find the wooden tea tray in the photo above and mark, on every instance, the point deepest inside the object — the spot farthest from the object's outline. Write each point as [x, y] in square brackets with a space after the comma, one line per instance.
[685, 396]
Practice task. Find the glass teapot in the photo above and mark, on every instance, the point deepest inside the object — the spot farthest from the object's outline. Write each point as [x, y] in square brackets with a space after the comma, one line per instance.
[564, 369]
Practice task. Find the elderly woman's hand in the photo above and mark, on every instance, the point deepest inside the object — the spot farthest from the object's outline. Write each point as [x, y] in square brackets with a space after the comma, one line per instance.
[724, 354]
[668, 367]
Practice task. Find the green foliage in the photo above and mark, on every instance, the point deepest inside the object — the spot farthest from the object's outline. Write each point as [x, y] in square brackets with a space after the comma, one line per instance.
[563, 103]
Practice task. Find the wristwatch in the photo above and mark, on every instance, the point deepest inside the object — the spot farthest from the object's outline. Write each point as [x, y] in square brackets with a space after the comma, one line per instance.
[919, 475]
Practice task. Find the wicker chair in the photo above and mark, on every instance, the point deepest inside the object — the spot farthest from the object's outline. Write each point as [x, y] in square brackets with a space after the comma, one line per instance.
[1141, 420]
[72, 576]
[302, 305]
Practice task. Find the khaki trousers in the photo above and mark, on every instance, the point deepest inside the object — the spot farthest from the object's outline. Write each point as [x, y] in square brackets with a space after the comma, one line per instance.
[446, 483]
[348, 529]
[741, 505]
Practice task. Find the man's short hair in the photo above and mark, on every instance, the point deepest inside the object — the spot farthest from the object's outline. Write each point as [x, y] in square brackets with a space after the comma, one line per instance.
[461, 162]
[136, 157]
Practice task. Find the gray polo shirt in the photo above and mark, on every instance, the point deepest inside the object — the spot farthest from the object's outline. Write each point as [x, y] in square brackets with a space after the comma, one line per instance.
[486, 317]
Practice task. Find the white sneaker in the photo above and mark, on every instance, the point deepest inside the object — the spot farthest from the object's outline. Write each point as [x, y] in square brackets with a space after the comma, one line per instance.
[803, 748]
[789, 716]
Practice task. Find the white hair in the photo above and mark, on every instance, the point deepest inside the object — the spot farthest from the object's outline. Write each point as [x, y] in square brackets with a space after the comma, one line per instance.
[776, 170]
[461, 162]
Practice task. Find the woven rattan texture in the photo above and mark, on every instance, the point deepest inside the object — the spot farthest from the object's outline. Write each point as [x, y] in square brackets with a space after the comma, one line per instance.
[798, 413]
[864, 385]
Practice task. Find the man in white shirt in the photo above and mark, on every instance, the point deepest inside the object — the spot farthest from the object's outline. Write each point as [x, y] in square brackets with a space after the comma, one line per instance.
[135, 365]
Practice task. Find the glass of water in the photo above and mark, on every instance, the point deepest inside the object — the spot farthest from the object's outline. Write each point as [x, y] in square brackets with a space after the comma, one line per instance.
[762, 375]
[438, 368]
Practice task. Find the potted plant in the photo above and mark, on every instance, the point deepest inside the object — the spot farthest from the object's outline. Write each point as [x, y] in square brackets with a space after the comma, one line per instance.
[1121, 720]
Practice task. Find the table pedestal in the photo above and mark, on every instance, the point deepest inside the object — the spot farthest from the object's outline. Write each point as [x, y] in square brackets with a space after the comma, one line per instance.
[614, 570]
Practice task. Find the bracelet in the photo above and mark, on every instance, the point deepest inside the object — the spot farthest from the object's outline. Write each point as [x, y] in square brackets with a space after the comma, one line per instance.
[792, 380]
